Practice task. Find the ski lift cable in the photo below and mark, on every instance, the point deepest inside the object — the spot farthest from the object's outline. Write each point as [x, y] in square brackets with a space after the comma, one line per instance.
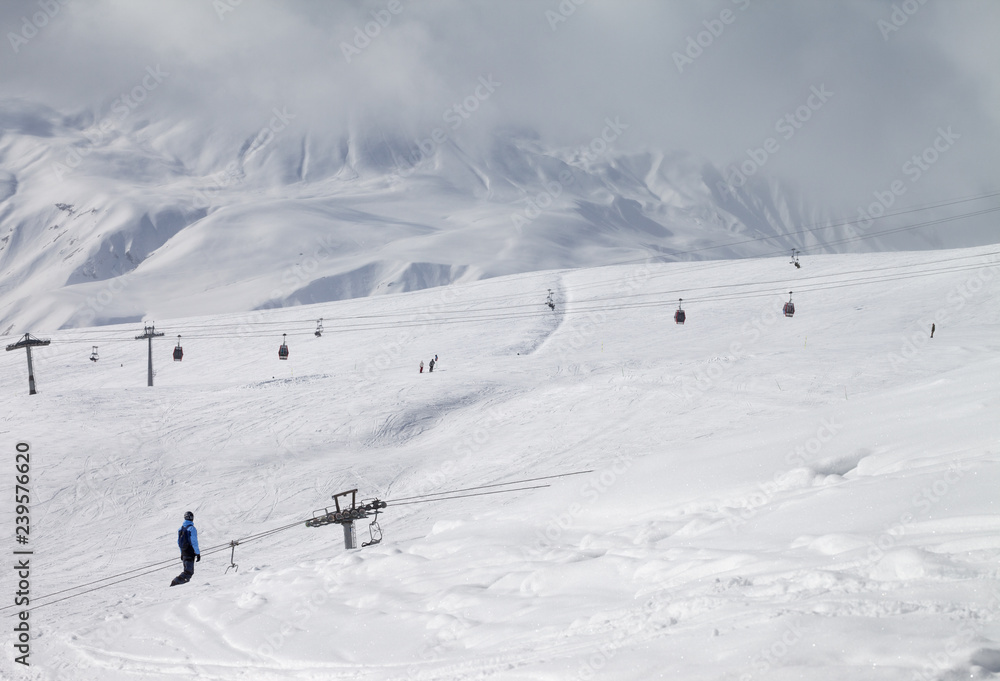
[819, 276]
[581, 305]
[296, 324]
[692, 298]
[466, 496]
[723, 263]
[821, 282]
[843, 222]
[726, 262]
[816, 227]
[166, 564]
[161, 565]
[466, 313]
[499, 484]
[840, 222]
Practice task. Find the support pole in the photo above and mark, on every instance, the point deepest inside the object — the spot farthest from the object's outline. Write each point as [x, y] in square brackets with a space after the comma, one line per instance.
[27, 343]
[149, 333]
[31, 373]
[350, 537]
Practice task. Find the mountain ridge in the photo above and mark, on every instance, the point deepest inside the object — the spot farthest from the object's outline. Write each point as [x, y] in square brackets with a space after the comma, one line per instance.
[149, 225]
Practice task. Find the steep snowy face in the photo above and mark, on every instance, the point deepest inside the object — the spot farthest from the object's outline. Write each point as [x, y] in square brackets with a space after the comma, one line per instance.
[113, 219]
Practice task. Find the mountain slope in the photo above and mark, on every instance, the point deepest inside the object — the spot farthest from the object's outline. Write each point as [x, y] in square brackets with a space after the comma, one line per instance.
[770, 497]
[151, 219]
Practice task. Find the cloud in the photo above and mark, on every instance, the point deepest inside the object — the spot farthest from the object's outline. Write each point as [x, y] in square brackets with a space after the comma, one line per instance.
[564, 66]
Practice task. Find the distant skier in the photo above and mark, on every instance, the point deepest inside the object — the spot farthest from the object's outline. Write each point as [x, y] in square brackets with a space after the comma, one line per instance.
[435, 358]
[431, 366]
[421, 366]
[932, 330]
[187, 540]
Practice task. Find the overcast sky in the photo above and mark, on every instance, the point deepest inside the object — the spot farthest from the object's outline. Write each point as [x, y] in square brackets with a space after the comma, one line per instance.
[712, 78]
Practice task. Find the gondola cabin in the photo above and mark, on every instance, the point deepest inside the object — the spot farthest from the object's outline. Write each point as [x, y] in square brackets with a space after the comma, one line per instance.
[283, 350]
[178, 351]
[679, 315]
[789, 308]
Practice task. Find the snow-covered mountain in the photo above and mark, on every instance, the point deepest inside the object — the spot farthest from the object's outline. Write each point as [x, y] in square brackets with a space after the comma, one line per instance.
[119, 218]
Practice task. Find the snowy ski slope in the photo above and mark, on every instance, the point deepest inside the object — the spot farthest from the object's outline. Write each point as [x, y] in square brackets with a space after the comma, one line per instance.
[771, 498]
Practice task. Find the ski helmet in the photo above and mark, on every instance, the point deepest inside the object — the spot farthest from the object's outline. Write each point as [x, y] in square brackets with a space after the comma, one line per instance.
[189, 516]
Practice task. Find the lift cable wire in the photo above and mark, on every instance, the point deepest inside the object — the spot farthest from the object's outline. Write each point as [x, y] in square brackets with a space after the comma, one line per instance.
[499, 484]
[727, 262]
[386, 321]
[466, 313]
[466, 496]
[148, 569]
[612, 307]
[808, 228]
[171, 563]
[512, 312]
[581, 308]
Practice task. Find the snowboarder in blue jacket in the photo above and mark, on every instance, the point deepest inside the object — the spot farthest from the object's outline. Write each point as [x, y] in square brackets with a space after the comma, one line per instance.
[187, 540]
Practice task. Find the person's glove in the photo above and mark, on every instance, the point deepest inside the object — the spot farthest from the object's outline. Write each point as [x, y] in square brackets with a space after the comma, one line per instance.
[197, 557]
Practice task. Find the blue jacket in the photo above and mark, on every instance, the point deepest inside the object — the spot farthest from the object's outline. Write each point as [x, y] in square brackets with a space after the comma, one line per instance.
[193, 533]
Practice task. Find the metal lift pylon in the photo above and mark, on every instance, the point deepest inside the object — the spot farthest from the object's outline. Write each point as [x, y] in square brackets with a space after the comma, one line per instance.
[27, 343]
[346, 515]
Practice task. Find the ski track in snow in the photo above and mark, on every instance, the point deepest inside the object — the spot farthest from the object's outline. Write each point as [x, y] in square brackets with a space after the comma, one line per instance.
[724, 534]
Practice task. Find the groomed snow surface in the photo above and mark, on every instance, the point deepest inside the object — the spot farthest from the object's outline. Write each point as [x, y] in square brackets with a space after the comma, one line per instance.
[771, 498]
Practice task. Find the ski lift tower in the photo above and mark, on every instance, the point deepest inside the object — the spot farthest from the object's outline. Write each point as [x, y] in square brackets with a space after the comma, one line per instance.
[150, 333]
[27, 343]
[346, 515]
